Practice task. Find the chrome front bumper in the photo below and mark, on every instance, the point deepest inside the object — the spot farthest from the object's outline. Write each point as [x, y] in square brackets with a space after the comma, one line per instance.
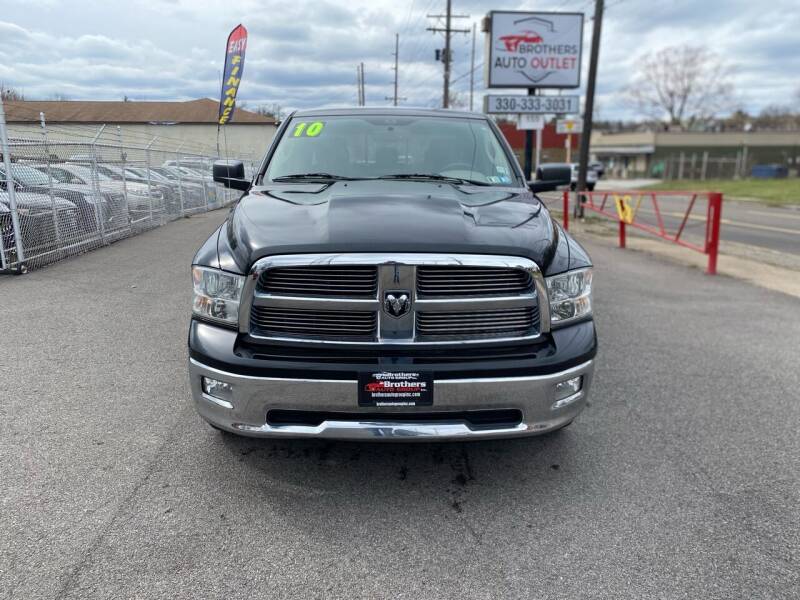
[253, 397]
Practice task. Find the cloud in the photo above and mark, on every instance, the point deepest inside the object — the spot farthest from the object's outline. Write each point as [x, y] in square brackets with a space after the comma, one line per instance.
[304, 53]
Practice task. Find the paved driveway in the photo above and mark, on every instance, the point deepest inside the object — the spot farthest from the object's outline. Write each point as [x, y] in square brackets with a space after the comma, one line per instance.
[680, 481]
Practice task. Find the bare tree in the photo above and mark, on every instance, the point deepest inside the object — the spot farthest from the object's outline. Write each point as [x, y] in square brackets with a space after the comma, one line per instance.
[681, 85]
[458, 100]
[9, 93]
[272, 109]
[777, 117]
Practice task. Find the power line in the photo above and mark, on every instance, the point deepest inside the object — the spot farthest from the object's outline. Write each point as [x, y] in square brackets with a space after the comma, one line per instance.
[419, 42]
[408, 18]
[613, 4]
[472, 69]
[468, 73]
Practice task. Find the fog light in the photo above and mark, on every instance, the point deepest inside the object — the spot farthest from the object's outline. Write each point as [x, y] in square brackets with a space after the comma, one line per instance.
[566, 391]
[218, 389]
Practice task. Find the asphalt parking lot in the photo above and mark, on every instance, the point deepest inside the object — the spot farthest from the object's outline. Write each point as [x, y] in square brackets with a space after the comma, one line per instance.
[681, 480]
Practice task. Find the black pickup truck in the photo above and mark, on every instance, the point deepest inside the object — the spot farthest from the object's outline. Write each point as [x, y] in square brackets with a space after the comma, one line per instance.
[389, 274]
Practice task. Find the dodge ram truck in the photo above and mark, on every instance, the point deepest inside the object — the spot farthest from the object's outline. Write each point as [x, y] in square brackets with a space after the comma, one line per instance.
[389, 274]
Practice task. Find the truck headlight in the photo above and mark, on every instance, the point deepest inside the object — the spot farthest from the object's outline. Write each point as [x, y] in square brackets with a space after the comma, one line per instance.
[216, 294]
[570, 295]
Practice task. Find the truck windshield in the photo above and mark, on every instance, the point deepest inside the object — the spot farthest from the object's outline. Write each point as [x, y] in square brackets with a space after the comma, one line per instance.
[372, 147]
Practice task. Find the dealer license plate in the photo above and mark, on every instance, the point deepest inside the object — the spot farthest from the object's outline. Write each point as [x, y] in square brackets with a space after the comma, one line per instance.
[395, 388]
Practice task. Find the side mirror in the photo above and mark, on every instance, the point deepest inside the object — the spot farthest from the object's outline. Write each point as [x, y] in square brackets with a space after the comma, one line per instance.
[551, 177]
[230, 173]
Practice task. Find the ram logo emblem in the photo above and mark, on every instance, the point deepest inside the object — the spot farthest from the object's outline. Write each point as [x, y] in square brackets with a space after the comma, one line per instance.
[396, 304]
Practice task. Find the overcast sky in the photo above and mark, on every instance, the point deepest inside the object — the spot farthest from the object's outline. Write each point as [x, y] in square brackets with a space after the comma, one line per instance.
[304, 52]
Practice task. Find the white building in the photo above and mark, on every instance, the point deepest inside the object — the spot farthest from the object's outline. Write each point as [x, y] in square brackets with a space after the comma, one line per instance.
[192, 123]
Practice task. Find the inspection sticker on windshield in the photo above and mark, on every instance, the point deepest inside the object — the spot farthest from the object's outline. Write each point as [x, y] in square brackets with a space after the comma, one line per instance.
[395, 388]
[306, 129]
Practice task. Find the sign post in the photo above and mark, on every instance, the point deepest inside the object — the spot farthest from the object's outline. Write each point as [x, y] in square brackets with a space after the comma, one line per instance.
[529, 122]
[533, 50]
[538, 148]
[569, 126]
[529, 146]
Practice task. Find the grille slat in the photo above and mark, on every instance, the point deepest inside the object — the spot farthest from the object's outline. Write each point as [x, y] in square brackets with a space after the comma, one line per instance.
[436, 281]
[468, 287]
[301, 323]
[478, 324]
[340, 282]
[470, 322]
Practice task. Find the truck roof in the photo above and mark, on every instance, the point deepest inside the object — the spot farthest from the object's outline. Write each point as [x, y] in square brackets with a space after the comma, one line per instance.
[390, 110]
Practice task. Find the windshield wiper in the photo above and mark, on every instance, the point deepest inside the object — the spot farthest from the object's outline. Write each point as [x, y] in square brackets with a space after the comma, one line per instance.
[434, 177]
[299, 176]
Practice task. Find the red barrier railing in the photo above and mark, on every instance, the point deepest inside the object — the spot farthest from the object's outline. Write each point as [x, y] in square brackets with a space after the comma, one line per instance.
[617, 205]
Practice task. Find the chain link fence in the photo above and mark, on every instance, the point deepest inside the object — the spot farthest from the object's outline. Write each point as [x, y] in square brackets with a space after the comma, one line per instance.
[69, 191]
[700, 166]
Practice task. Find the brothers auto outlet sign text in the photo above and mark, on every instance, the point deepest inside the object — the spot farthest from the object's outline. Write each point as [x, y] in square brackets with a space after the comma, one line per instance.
[534, 50]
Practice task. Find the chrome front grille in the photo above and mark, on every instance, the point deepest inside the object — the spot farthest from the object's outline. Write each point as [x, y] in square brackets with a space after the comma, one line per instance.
[478, 324]
[324, 280]
[312, 324]
[444, 281]
[394, 299]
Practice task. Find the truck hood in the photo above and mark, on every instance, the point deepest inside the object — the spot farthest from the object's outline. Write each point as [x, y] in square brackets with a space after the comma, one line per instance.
[389, 216]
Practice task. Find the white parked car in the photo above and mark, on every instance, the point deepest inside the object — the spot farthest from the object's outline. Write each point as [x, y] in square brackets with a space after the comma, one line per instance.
[591, 177]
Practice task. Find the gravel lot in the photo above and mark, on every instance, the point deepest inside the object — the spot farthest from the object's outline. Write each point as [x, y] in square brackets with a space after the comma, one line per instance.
[680, 481]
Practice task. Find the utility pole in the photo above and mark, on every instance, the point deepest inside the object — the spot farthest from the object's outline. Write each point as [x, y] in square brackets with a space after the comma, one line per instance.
[472, 70]
[363, 86]
[588, 109]
[396, 55]
[396, 59]
[446, 53]
[358, 85]
[447, 60]
[362, 98]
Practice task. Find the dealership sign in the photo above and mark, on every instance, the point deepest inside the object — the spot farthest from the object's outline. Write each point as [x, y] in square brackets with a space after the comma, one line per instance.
[533, 105]
[534, 49]
[569, 126]
[535, 122]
